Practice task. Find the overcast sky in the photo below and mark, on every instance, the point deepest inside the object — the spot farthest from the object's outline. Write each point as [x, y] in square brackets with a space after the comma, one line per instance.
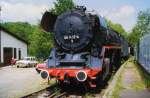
[123, 12]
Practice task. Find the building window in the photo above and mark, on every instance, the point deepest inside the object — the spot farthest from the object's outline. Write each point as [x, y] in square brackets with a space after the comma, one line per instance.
[19, 54]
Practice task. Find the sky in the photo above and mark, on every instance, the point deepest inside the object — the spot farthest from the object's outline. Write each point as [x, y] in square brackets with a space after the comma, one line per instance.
[123, 12]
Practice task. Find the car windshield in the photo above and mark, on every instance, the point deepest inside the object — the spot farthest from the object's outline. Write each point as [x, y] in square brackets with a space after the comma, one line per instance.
[29, 58]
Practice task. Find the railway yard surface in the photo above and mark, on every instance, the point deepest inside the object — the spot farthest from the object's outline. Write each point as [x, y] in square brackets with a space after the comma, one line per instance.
[24, 82]
[18, 82]
[132, 84]
[128, 83]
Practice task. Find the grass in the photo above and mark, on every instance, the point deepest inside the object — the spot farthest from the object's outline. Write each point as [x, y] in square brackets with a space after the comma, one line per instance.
[118, 87]
[144, 75]
[137, 86]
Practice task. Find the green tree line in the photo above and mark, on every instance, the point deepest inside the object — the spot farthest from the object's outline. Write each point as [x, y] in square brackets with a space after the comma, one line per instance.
[141, 28]
[41, 42]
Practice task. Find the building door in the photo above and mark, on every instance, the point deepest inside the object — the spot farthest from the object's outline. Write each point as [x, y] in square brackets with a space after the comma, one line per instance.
[15, 55]
[8, 54]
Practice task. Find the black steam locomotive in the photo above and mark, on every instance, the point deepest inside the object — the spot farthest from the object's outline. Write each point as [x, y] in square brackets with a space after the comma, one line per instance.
[86, 49]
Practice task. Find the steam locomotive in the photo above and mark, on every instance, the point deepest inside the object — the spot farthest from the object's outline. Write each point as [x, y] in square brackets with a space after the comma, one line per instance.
[86, 49]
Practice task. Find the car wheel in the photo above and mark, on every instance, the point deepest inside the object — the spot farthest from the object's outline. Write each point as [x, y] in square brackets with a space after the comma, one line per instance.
[33, 65]
[38, 71]
[17, 65]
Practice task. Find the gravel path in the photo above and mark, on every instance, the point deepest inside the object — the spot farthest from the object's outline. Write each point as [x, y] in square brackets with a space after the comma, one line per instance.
[132, 84]
[17, 82]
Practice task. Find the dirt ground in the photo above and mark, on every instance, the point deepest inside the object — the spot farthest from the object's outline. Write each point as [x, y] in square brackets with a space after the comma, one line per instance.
[18, 82]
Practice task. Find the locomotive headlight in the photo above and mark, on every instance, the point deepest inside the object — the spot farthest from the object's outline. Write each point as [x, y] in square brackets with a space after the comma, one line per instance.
[44, 74]
[81, 76]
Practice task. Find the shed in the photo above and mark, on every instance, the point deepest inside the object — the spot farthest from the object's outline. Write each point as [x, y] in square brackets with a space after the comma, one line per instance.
[11, 46]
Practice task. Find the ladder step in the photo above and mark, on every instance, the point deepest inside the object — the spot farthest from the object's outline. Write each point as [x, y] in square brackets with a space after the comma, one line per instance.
[93, 77]
[92, 85]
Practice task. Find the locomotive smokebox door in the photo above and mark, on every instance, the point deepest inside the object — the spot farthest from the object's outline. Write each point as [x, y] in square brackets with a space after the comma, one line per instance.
[48, 21]
[73, 31]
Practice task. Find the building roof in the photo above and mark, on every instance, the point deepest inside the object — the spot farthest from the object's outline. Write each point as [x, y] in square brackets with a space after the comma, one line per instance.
[12, 34]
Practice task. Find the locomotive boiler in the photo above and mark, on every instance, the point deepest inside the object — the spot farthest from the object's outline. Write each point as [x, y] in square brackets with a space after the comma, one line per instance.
[86, 49]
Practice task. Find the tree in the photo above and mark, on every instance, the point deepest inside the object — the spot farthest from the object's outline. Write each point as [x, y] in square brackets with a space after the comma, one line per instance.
[61, 6]
[41, 43]
[21, 29]
[118, 28]
[141, 28]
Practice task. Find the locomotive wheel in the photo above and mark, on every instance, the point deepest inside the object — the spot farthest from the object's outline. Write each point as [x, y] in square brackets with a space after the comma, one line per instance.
[85, 87]
[60, 83]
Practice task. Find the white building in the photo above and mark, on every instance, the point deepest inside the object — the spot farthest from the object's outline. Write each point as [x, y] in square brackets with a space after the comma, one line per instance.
[11, 46]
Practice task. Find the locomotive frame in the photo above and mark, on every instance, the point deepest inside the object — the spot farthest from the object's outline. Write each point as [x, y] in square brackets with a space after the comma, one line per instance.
[89, 60]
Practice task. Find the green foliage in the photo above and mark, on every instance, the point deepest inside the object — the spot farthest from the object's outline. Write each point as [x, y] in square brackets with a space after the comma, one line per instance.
[145, 76]
[41, 43]
[118, 28]
[21, 29]
[141, 28]
[61, 6]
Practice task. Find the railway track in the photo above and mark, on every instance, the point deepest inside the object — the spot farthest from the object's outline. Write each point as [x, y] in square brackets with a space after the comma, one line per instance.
[55, 91]
[71, 91]
[48, 92]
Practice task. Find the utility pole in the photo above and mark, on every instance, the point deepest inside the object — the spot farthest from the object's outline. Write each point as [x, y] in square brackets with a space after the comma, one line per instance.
[0, 33]
[0, 13]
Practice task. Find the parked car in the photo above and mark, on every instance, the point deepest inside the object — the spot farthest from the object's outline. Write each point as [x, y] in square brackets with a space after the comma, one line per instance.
[40, 66]
[13, 61]
[27, 62]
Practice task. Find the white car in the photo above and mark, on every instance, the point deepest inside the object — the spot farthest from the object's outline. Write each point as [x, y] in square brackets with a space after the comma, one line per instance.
[27, 62]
